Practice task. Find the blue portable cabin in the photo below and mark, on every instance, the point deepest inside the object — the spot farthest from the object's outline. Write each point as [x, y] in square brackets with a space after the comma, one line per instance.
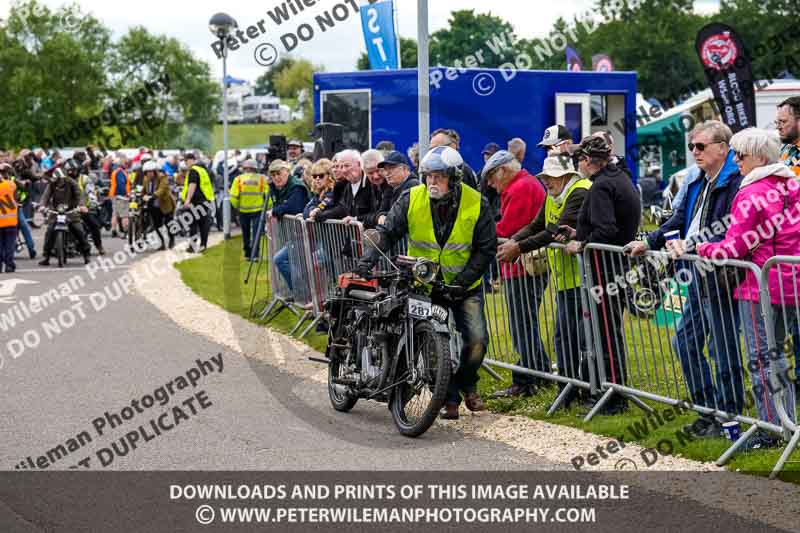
[482, 105]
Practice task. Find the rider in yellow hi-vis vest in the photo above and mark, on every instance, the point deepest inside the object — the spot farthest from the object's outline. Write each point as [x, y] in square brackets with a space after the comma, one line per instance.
[248, 193]
[566, 191]
[450, 223]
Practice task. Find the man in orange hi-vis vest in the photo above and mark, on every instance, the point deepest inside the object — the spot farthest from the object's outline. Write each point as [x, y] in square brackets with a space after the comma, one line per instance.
[8, 218]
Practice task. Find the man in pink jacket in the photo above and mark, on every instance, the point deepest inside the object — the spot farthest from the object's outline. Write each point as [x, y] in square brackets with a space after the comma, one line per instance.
[765, 222]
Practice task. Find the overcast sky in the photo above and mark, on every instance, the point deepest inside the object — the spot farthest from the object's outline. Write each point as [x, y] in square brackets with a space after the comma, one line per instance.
[337, 49]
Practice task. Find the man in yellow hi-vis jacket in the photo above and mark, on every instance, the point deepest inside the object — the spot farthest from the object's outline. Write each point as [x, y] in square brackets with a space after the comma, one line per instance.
[248, 193]
[450, 223]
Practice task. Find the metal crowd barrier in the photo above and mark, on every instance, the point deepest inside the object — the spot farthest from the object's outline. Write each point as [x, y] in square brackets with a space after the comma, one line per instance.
[538, 314]
[335, 248]
[649, 328]
[288, 237]
[780, 300]
[670, 332]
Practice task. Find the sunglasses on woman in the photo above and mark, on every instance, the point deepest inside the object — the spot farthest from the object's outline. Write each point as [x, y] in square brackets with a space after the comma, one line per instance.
[318, 176]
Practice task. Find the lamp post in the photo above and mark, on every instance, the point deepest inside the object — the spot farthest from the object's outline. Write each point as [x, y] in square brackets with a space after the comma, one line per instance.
[221, 26]
[423, 67]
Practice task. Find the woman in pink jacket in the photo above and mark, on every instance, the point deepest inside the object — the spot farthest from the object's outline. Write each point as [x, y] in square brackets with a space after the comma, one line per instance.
[765, 222]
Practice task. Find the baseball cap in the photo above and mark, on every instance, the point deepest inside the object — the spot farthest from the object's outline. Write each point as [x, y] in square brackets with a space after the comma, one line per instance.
[279, 164]
[393, 158]
[295, 142]
[490, 149]
[593, 147]
[249, 163]
[555, 134]
[500, 158]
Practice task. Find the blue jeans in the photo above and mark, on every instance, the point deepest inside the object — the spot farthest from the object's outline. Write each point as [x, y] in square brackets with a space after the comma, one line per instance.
[249, 223]
[26, 231]
[523, 296]
[716, 323]
[569, 338]
[281, 260]
[762, 363]
[471, 324]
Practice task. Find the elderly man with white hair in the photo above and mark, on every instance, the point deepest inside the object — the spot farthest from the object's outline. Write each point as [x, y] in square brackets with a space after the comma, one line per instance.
[708, 318]
[765, 222]
[358, 200]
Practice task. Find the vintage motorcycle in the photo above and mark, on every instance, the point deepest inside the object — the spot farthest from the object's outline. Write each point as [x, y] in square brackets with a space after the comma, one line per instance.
[389, 342]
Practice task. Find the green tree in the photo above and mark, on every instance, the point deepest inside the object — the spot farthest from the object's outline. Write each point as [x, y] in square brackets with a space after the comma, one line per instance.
[469, 33]
[192, 100]
[653, 37]
[761, 25]
[408, 55]
[298, 76]
[53, 64]
[265, 84]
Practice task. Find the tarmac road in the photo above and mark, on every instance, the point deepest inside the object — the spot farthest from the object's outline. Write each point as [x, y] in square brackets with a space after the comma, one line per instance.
[256, 417]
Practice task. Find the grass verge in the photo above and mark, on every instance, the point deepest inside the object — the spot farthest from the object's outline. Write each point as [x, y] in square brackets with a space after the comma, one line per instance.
[248, 135]
[214, 274]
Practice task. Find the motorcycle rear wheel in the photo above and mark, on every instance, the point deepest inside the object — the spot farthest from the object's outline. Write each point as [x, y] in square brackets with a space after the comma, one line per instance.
[415, 405]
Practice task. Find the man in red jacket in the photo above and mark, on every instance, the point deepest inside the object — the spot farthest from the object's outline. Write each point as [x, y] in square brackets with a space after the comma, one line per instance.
[521, 198]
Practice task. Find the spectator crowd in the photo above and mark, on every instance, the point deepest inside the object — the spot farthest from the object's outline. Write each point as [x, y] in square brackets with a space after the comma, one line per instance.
[583, 195]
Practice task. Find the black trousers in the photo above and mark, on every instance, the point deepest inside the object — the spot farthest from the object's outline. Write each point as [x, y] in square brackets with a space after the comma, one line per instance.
[77, 232]
[160, 219]
[201, 225]
[93, 225]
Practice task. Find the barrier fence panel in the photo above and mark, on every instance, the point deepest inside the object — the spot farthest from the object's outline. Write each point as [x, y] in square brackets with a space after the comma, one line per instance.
[536, 317]
[284, 241]
[681, 333]
[335, 248]
[780, 298]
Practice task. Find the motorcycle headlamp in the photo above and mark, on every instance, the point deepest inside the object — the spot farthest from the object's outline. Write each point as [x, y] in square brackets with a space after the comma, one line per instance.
[425, 271]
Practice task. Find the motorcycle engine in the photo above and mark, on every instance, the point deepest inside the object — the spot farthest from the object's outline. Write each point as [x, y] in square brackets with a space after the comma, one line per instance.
[369, 369]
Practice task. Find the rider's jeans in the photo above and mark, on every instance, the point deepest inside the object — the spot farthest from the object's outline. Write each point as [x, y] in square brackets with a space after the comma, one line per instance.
[471, 323]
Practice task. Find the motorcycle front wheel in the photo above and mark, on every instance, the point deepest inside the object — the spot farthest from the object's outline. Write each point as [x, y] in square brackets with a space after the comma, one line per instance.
[341, 400]
[416, 402]
[61, 249]
[133, 230]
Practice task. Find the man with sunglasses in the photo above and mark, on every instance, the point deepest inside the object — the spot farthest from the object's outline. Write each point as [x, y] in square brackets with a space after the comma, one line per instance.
[708, 315]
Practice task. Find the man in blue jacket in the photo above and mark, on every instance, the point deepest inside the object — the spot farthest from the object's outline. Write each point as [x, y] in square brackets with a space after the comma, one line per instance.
[709, 313]
[289, 196]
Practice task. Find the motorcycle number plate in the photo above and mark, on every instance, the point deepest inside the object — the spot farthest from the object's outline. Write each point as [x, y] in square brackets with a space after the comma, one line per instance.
[419, 308]
[61, 219]
[133, 205]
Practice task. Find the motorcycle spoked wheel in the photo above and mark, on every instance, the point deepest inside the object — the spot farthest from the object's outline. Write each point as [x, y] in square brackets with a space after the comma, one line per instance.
[341, 400]
[415, 404]
[61, 249]
[133, 230]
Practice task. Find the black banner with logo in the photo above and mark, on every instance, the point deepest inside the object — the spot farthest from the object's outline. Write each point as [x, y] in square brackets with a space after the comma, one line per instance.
[729, 74]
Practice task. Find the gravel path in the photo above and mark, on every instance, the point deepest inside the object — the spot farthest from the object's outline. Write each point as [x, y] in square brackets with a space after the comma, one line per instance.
[773, 502]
